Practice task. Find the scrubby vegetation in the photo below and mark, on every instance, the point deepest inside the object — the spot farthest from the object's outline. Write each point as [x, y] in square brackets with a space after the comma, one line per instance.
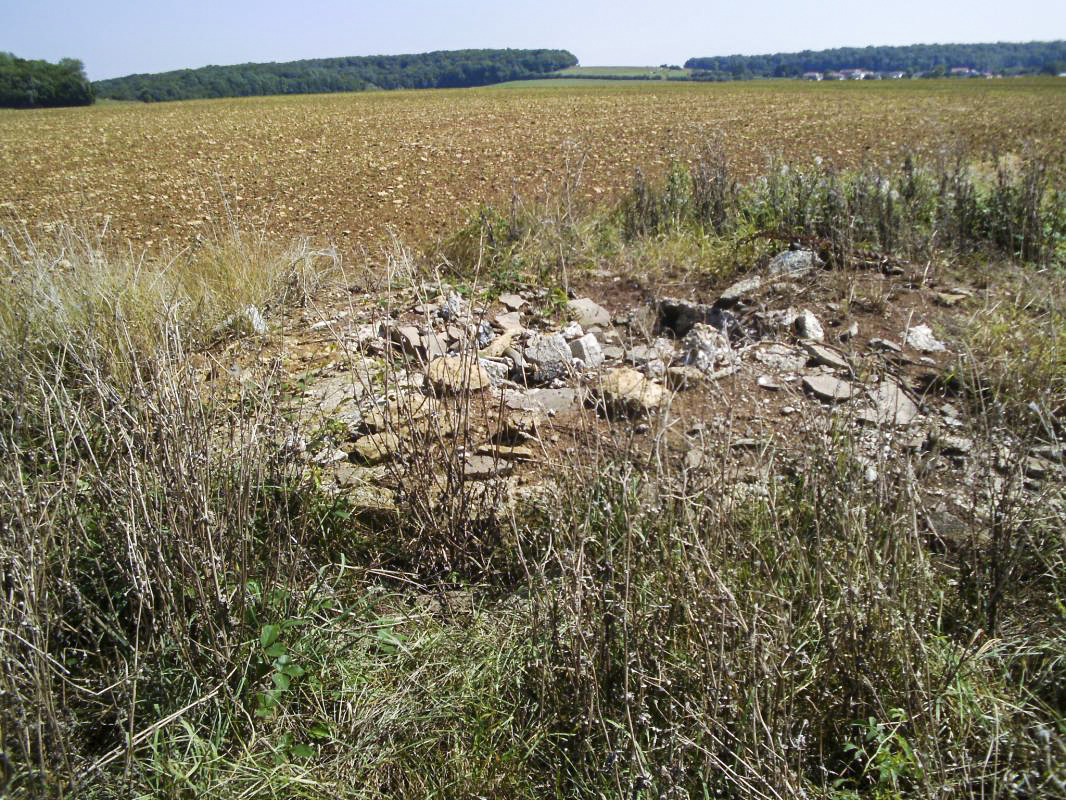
[187, 612]
[38, 84]
[439, 70]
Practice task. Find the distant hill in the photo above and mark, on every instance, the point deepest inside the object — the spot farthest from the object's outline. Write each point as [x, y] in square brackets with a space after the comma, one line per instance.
[38, 84]
[1000, 57]
[442, 69]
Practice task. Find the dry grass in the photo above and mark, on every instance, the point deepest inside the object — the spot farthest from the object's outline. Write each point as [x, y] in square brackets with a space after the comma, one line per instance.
[186, 613]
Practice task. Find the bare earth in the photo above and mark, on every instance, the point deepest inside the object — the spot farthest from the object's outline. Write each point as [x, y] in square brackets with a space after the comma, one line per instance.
[357, 167]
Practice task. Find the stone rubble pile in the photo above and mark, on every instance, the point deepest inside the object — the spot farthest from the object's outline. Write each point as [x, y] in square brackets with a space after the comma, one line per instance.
[497, 382]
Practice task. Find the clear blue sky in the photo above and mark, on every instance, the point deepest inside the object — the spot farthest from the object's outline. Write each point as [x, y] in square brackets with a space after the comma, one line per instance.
[117, 37]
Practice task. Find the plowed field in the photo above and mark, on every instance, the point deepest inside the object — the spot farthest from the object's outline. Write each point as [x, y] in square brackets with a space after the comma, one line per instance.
[353, 167]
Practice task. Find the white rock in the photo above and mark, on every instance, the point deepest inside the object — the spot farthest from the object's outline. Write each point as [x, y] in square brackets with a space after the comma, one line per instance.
[808, 327]
[249, 320]
[573, 331]
[588, 350]
[793, 262]
[920, 337]
[705, 347]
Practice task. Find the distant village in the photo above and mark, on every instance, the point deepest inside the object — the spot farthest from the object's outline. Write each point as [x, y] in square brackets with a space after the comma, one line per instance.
[859, 74]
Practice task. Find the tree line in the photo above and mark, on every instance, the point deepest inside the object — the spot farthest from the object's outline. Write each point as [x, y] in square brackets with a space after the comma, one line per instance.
[437, 70]
[1000, 57]
[39, 84]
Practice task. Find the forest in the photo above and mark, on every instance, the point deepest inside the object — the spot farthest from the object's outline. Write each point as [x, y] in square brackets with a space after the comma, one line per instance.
[437, 70]
[39, 84]
[1001, 57]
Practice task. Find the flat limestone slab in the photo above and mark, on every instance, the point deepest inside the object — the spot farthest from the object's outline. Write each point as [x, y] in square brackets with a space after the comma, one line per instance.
[829, 388]
[457, 375]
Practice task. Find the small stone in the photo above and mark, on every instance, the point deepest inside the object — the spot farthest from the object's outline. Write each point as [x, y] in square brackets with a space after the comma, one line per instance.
[954, 445]
[627, 391]
[456, 374]
[433, 346]
[376, 447]
[849, 334]
[885, 346]
[509, 322]
[512, 302]
[659, 350]
[588, 314]
[588, 349]
[892, 406]
[807, 326]
[454, 308]
[406, 337]
[545, 400]
[828, 388]
[498, 346]
[549, 355]
[920, 337]
[821, 355]
[484, 335]
[572, 331]
[793, 262]
[685, 377]
[482, 467]
[740, 291]
[705, 347]
[782, 357]
[506, 452]
[498, 370]
[766, 382]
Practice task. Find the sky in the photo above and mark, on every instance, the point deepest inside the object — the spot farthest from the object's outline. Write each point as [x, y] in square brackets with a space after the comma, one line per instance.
[118, 37]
